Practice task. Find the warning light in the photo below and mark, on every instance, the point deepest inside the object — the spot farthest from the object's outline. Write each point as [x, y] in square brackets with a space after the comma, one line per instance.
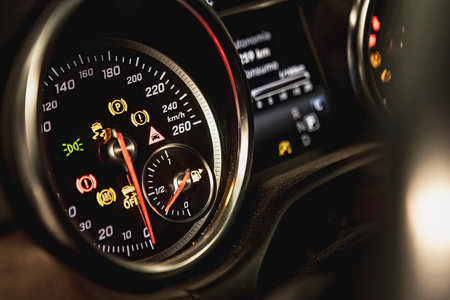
[130, 196]
[155, 136]
[140, 118]
[375, 59]
[86, 183]
[284, 148]
[72, 147]
[117, 106]
[106, 197]
[99, 131]
[376, 25]
[372, 40]
[386, 75]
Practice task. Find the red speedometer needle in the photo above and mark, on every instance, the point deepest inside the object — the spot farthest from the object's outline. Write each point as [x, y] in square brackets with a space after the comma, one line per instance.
[178, 191]
[132, 172]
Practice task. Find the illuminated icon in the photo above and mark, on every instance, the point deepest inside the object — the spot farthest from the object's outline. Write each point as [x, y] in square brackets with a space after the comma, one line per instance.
[312, 122]
[318, 104]
[106, 197]
[130, 195]
[375, 59]
[99, 131]
[284, 148]
[376, 24]
[86, 183]
[140, 118]
[155, 136]
[74, 147]
[372, 40]
[196, 175]
[306, 140]
[117, 106]
[386, 75]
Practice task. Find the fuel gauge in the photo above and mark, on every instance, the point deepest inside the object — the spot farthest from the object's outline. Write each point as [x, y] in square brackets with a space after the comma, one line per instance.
[177, 183]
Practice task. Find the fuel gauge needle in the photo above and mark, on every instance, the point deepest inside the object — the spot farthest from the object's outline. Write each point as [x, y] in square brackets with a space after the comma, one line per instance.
[178, 191]
[132, 172]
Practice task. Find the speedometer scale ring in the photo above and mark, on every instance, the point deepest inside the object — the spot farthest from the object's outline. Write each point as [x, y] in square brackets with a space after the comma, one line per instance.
[114, 88]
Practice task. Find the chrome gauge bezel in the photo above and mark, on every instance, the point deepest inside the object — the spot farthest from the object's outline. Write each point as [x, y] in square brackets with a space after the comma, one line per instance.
[356, 56]
[81, 206]
[21, 150]
[213, 180]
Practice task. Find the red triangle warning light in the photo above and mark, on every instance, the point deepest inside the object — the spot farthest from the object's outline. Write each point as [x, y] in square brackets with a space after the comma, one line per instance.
[155, 136]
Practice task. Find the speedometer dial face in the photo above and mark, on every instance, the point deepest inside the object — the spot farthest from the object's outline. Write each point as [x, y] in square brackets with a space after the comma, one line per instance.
[132, 148]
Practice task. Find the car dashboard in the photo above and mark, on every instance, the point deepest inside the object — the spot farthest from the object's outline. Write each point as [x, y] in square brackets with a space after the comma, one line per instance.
[190, 149]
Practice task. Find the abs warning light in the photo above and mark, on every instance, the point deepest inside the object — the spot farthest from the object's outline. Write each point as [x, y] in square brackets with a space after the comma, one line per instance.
[106, 197]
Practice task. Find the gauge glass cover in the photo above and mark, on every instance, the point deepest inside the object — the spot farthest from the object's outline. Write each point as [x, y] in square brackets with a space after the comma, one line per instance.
[100, 92]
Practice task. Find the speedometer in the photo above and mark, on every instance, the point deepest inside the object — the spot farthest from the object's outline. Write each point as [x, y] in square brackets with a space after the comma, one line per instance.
[116, 112]
[129, 148]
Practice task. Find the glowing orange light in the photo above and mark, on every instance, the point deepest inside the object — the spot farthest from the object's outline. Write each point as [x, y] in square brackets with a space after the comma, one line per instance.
[386, 75]
[375, 59]
[284, 148]
[376, 25]
[106, 197]
[372, 40]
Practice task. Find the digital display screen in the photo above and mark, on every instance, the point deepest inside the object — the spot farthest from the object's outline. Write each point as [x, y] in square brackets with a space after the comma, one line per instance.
[290, 103]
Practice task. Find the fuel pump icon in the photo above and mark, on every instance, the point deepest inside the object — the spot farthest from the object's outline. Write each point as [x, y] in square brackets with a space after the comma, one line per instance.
[196, 175]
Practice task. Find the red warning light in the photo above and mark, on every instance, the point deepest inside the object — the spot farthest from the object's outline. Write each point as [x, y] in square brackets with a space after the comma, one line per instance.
[86, 183]
[372, 40]
[376, 24]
